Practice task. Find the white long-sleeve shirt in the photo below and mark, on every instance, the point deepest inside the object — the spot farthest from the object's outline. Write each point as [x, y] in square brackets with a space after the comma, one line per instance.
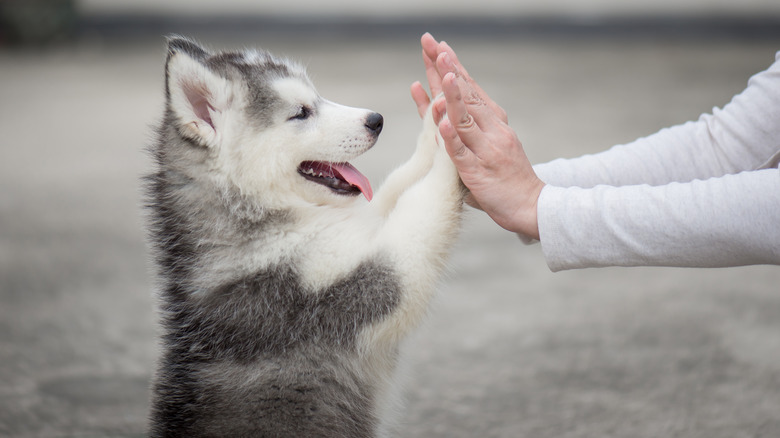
[702, 194]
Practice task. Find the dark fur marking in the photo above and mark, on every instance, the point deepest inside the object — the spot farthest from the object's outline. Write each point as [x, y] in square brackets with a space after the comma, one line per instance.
[270, 313]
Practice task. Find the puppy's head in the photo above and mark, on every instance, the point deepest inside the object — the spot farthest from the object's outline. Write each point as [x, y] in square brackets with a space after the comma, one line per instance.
[265, 129]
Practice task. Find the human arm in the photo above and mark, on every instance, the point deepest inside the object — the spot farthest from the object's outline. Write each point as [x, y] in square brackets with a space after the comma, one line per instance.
[727, 221]
[703, 194]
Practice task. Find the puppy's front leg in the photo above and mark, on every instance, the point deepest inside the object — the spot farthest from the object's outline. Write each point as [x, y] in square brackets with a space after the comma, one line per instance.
[426, 218]
[417, 236]
[411, 171]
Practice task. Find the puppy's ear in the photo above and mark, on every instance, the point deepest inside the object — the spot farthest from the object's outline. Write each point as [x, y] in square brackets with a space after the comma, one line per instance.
[197, 96]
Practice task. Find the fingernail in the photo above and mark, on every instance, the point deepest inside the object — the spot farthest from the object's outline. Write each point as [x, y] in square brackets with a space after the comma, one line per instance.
[445, 58]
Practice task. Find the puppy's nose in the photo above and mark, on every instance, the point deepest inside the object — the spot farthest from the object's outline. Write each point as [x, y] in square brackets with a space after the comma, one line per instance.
[374, 123]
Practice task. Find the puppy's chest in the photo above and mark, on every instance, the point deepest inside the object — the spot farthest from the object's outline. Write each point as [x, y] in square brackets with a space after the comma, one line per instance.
[326, 254]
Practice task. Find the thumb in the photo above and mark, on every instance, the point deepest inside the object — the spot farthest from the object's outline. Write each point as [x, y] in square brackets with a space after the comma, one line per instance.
[420, 98]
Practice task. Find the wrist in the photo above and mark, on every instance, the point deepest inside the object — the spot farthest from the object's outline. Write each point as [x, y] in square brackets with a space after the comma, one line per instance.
[526, 220]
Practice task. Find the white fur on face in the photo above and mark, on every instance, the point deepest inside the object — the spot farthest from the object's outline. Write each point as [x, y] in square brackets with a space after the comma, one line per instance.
[265, 162]
[331, 132]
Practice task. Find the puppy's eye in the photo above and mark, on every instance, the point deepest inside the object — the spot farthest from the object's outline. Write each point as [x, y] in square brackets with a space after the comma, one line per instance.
[304, 112]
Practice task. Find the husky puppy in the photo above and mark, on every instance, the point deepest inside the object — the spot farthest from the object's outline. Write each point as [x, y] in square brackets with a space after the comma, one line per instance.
[283, 293]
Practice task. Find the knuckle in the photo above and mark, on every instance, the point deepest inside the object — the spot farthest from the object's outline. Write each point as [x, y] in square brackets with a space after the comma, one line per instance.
[467, 121]
[505, 130]
[473, 98]
[459, 152]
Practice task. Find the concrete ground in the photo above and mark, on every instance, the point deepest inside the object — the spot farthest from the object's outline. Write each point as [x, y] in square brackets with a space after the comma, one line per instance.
[510, 349]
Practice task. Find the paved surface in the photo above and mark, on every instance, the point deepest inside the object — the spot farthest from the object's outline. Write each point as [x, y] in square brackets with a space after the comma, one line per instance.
[510, 350]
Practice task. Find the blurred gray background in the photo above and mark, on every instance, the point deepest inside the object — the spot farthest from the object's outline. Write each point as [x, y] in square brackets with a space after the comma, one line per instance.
[510, 349]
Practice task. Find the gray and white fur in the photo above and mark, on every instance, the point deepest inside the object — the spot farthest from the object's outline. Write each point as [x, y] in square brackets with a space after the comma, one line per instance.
[283, 293]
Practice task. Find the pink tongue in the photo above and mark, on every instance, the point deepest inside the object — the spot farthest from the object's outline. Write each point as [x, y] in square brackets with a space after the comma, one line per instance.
[354, 177]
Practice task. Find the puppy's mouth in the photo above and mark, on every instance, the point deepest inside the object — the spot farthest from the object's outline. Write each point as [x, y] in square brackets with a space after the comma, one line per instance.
[341, 178]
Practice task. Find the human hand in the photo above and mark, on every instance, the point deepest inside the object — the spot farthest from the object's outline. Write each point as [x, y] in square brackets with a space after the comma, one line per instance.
[490, 160]
[487, 153]
[435, 71]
